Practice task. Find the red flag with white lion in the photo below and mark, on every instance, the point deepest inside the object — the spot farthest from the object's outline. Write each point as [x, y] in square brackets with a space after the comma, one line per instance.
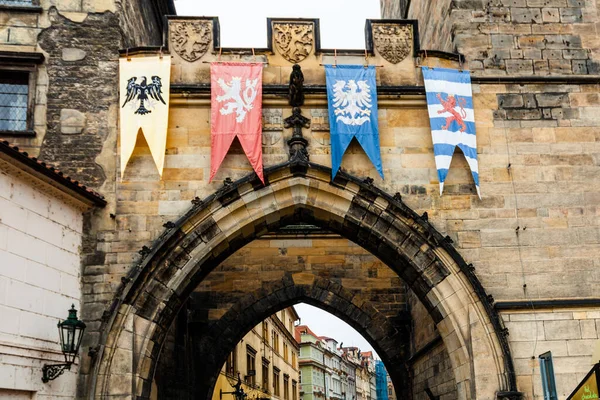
[236, 111]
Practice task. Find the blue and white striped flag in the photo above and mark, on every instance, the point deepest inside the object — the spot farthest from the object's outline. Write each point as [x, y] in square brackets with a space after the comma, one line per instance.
[450, 104]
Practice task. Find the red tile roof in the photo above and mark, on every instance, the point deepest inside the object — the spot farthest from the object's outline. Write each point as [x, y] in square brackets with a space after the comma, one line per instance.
[303, 328]
[48, 171]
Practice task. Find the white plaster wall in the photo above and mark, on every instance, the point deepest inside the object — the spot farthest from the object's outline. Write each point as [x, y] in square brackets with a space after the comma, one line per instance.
[40, 238]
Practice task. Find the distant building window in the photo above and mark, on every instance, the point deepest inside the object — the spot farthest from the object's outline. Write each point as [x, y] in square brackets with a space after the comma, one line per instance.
[286, 387]
[265, 375]
[250, 366]
[293, 359]
[294, 390]
[265, 332]
[285, 352]
[14, 99]
[547, 373]
[230, 364]
[275, 381]
[275, 341]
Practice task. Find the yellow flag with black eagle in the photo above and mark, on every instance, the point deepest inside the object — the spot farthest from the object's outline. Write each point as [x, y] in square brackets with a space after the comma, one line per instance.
[144, 105]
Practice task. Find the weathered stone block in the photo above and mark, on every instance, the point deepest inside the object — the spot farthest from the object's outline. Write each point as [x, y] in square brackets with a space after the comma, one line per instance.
[550, 15]
[562, 330]
[72, 121]
[570, 15]
[510, 101]
[526, 15]
[519, 67]
[73, 54]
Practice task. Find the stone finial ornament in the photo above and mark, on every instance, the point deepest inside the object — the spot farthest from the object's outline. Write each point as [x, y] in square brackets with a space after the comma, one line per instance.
[190, 39]
[293, 40]
[392, 41]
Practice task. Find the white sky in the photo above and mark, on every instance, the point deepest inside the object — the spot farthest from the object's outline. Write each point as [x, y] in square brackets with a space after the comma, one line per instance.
[324, 324]
[244, 22]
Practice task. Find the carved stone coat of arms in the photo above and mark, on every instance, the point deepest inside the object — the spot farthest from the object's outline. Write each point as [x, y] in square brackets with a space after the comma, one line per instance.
[393, 42]
[294, 41]
[190, 39]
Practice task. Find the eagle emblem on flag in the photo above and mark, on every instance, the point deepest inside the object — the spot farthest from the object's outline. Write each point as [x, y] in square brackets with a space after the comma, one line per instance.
[144, 92]
[352, 108]
[352, 102]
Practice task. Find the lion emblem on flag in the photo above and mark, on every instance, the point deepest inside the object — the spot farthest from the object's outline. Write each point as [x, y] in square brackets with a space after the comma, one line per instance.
[238, 100]
[449, 105]
[352, 102]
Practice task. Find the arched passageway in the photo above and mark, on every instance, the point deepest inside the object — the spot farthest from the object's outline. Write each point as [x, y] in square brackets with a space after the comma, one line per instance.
[220, 225]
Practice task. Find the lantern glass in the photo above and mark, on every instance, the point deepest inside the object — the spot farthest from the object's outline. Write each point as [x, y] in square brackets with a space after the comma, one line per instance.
[71, 332]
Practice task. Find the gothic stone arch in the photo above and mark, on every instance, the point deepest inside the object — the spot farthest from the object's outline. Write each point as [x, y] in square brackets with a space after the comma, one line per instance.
[221, 336]
[215, 228]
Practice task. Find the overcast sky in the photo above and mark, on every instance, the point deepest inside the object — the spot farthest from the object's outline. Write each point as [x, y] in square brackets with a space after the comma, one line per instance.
[244, 23]
[324, 324]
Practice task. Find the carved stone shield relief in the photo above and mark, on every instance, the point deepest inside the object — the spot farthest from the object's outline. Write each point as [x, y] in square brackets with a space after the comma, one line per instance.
[294, 41]
[190, 39]
[393, 42]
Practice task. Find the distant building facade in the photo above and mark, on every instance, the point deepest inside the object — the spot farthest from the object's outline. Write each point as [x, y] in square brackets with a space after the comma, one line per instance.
[390, 389]
[330, 372]
[266, 360]
[381, 380]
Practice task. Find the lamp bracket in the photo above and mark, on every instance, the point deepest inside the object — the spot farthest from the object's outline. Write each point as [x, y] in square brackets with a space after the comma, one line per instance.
[53, 371]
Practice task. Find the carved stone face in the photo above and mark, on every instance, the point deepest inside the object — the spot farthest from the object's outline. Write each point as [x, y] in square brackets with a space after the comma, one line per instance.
[294, 41]
[393, 42]
[190, 39]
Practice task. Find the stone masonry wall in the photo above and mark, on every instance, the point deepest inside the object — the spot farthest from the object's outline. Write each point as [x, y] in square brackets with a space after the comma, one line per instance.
[436, 32]
[268, 260]
[80, 69]
[434, 372]
[570, 334]
[393, 9]
[82, 102]
[550, 191]
[430, 364]
[527, 37]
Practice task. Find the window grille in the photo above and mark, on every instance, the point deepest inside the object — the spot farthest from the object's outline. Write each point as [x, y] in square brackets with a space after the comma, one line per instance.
[16, 2]
[14, 95]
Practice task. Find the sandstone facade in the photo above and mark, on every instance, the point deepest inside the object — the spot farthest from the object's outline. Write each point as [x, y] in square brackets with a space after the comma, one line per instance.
[533, 238]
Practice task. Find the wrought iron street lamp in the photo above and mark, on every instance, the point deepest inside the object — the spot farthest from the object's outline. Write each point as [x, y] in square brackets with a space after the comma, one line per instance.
[238, 393]
[70, 332]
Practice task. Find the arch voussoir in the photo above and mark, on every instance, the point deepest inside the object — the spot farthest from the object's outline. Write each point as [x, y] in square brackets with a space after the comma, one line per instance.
[217, 227]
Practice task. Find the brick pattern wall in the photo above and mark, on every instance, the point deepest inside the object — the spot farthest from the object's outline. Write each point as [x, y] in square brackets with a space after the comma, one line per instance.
[40, 236]
[527, 37]
[431, 369]
[86, 88]
[269, 260]
[547, 134]
[434, 372]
